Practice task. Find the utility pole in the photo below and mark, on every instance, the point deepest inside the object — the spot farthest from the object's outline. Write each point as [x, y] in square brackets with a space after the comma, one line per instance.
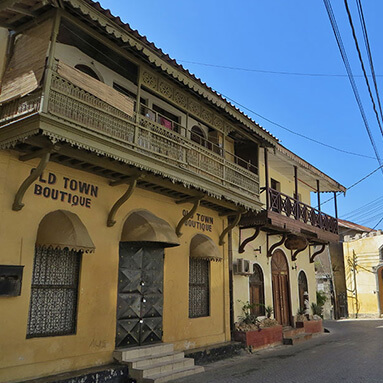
[353, 264]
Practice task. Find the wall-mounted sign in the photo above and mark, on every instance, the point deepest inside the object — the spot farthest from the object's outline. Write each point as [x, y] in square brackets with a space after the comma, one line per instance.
[199, 221]
[65, 189]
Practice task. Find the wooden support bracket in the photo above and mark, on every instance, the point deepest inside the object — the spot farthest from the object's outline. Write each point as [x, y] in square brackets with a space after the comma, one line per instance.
[248, 240]
[270, 251]
[296, 252]
[35, 173]
[132, 183]
[321, 250]
[196, 202]
[230, 226]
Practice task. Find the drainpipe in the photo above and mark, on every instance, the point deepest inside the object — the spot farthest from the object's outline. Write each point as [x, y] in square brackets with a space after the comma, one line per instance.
[230, 251]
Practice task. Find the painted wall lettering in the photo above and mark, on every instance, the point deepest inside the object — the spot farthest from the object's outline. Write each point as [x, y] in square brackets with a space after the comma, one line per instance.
[67, 190]
[199, 221]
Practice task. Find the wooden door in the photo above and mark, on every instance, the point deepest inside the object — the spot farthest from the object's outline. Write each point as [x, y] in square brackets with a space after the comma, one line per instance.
[140, 295]
[281, 290]
[257, 296]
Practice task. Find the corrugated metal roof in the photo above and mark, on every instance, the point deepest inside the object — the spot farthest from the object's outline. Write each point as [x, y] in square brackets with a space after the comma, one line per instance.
[353, 226]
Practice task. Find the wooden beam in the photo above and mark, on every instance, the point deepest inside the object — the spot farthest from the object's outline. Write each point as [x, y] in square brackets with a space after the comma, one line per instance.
[23, 11]
[267, 179]
[7, 4]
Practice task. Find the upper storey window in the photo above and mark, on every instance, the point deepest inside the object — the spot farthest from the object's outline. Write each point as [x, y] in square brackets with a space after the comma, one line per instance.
[197, 135]
[73, 36]
[87, 70]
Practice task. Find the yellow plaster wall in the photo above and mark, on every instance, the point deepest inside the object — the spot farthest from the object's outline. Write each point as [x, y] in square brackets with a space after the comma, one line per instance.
[93, 343]
[241, 283]
[287, 181]
[366, 249]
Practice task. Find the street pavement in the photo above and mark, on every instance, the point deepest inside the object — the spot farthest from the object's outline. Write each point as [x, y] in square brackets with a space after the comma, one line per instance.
[352, 352]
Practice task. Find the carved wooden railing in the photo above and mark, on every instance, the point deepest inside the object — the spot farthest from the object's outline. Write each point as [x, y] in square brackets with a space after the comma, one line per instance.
[293, 208]
[20, 108]
[139, 132]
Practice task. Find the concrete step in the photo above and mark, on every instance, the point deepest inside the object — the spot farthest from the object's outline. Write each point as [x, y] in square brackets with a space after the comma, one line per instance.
[293, 332]
[145, 361]
[296, 339]
[127, 354]
[161, 368]
[172, 375]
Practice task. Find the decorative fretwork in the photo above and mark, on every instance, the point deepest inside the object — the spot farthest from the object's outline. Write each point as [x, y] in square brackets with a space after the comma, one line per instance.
[20, 107]
[291, 207]
[198, 288]
[53, 306]
[70, 103]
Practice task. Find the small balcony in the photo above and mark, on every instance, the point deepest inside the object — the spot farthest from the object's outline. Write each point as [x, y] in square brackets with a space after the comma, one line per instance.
[285, 214]
[149, 140]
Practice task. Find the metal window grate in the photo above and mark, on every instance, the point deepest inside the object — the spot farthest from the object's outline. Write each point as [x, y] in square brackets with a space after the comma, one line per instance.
[53, 307]
[199, 288]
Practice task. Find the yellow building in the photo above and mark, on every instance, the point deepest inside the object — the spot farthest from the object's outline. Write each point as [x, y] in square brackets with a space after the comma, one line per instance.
[274, 250]
[122, 178]
[364, 274]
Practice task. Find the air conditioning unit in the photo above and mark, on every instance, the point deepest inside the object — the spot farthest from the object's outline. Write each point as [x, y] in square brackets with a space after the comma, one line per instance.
[243, 267]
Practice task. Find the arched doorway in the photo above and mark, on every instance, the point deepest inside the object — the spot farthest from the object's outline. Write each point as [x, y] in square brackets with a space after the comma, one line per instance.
[140, 278]
[256, 290]
[302, 289]
[197, 135]
[281, 290]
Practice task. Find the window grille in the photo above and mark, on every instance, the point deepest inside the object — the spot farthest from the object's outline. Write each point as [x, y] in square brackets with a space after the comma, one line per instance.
[53, 306]
[199, 288]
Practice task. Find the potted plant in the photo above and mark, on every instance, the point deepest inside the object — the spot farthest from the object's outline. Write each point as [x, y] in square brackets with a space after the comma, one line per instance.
[257, 332]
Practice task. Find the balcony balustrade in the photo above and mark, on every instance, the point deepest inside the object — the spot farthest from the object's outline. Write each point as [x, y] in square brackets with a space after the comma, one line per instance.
[151, 135]
[293, 208]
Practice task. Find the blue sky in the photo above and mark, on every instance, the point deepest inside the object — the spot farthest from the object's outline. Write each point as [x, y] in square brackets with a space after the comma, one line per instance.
[282, 36]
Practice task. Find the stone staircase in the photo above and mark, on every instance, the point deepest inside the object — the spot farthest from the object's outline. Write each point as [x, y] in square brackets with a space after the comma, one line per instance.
[293, 336]
[156, 363]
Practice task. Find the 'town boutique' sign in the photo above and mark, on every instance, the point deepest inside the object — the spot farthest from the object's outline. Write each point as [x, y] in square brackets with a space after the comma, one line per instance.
[65, 189]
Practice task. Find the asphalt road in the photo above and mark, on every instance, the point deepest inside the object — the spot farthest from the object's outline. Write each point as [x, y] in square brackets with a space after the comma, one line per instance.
[351, 352]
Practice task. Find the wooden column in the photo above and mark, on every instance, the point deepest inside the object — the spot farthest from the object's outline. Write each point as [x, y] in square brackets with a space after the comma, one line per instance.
[318, 192]
[296, 182]
[335, 206]
[267, 178]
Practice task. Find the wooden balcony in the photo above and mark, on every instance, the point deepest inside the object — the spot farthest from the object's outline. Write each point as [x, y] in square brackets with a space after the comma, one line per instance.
[147, 144]
[285, 214]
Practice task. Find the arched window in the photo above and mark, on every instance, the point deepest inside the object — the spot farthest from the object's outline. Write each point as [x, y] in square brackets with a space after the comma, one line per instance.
[203, 250]
[87, 70]
[256, 288]
[197, 135]
[303, 289]
[61, 240]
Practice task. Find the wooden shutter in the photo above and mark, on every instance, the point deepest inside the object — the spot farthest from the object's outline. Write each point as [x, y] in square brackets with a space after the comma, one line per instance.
[26, 67]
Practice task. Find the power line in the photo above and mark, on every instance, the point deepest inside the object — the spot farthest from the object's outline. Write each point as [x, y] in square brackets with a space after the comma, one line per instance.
[368, 49]
[350, 75]
[296, 133]
[270, 71]
[354, 184]
[255, 113]
[362, 64]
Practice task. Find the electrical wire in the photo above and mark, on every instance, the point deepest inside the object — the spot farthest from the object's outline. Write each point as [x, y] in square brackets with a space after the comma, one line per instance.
[269, 71]
[296, 133]
[354, 184]
[362, 64]
[369, 54]
[244, 107]
[350, 76]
